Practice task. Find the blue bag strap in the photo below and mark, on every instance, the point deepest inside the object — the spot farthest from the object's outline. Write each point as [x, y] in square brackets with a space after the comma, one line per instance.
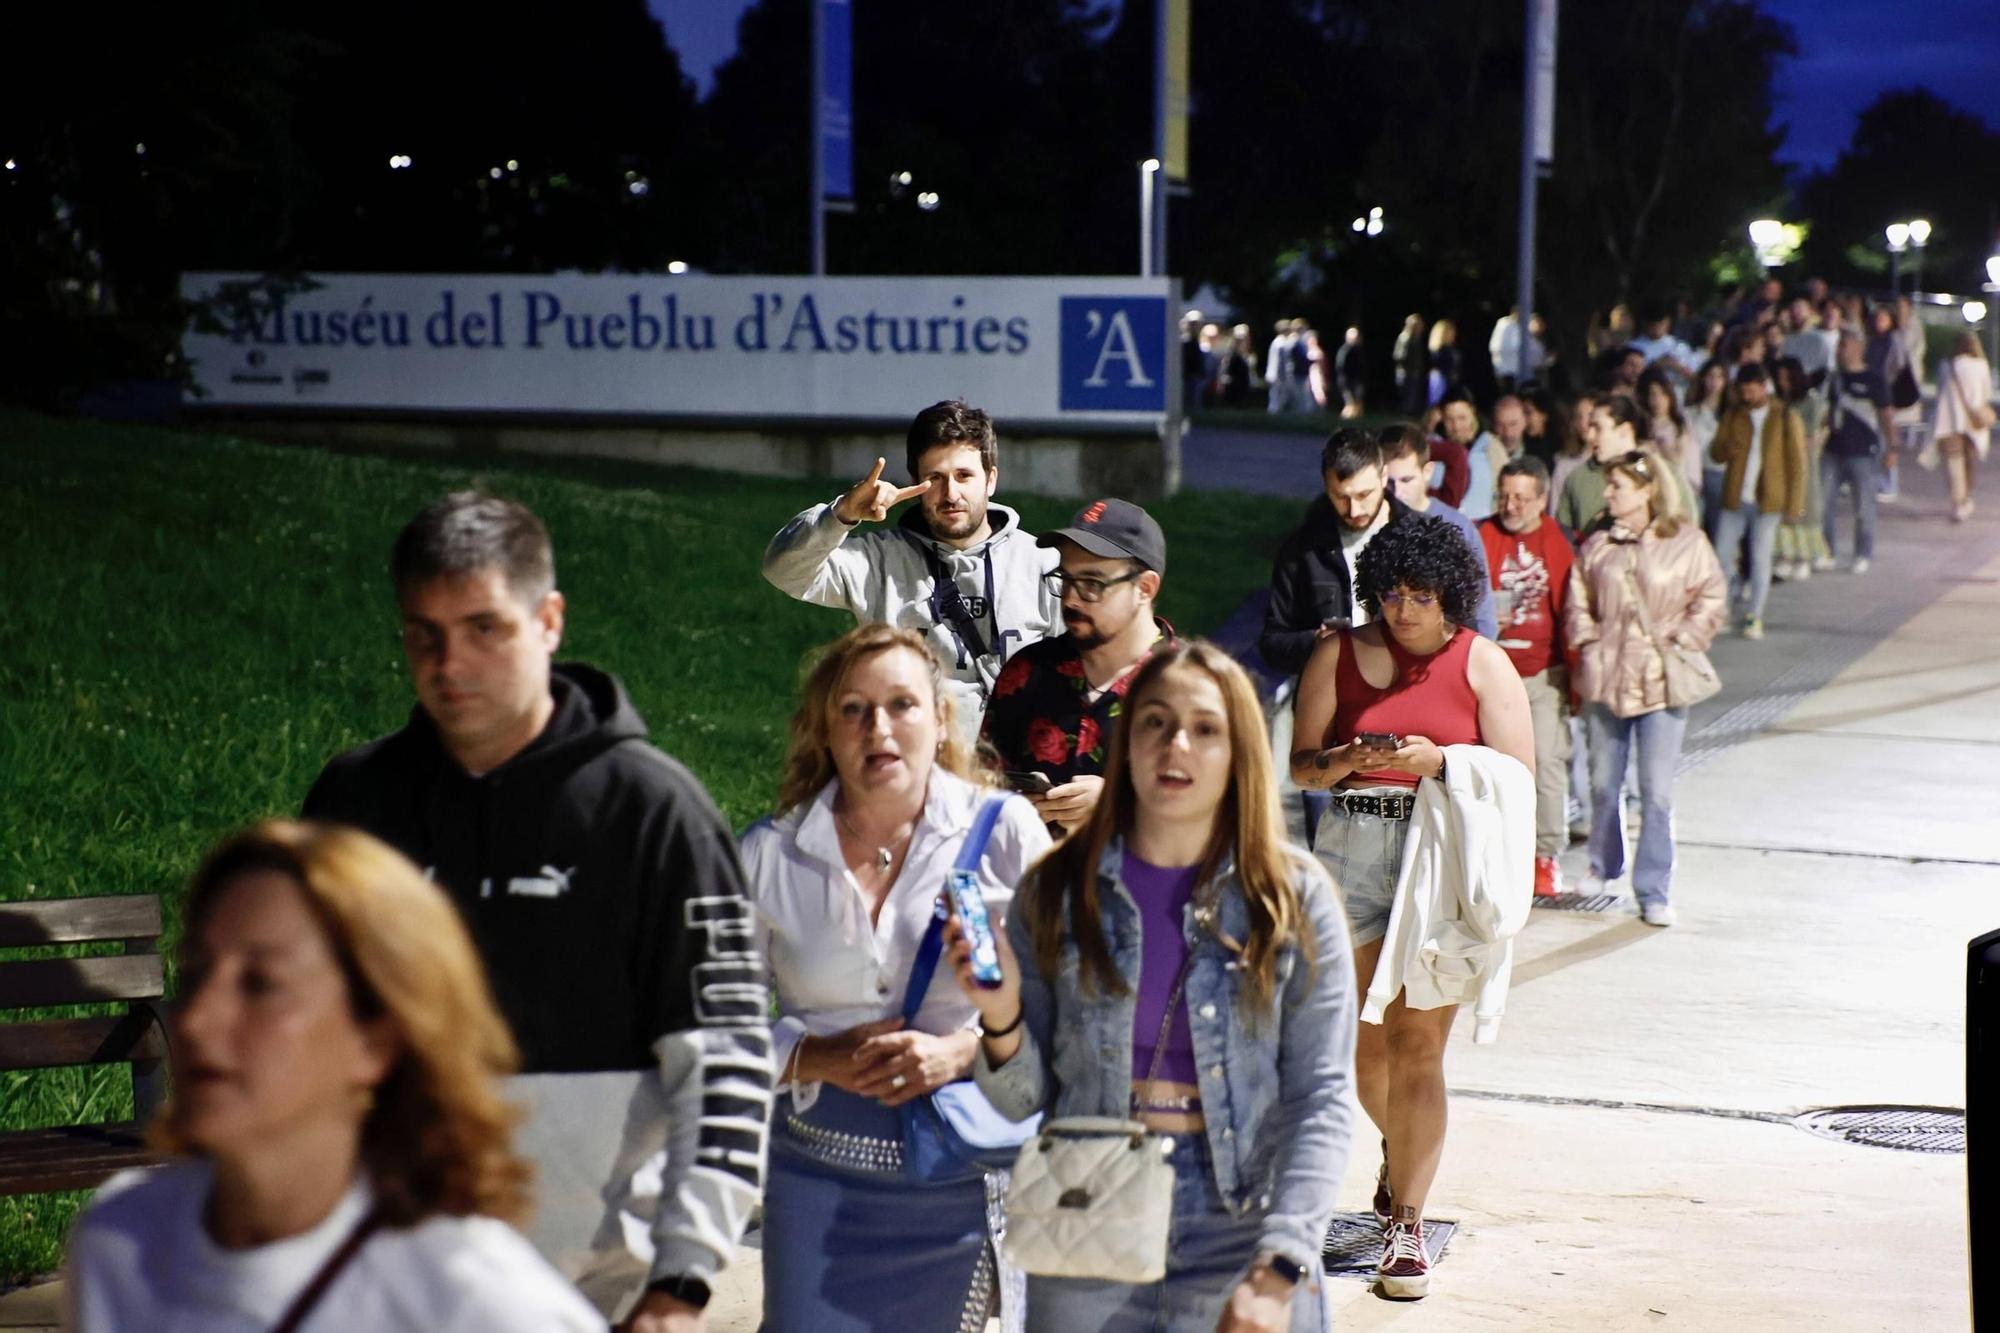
[932, 947]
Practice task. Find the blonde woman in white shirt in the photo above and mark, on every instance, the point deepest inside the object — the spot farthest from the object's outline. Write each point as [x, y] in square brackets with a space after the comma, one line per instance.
[346, 1157]
[876, 802]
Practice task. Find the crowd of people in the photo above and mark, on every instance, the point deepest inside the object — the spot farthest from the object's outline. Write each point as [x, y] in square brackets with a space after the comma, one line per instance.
[1028, 842]
[1297, 373]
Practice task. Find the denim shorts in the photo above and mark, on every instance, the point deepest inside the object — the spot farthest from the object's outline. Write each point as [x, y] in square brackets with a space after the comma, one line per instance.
[1364, 854]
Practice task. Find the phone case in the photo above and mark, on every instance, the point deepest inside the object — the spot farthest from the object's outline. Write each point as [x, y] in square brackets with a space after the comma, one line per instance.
[970, 904]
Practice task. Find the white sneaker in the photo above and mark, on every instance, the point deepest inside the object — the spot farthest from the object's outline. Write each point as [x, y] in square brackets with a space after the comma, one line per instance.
[1802, 570]
[1824, 563]
[1657, 914]
[1861, 564]
[1591, 885]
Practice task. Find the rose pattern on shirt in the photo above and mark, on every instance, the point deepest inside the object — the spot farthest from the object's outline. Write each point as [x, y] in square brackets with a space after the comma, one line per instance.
[1044, 717]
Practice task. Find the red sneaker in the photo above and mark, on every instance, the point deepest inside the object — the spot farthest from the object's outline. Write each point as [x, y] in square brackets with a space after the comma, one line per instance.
[1548, 877]
[1405, 1271]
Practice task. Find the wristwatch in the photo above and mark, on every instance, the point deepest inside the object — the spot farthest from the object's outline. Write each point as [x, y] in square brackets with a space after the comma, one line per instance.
[687, 1290]
[1284, 1268]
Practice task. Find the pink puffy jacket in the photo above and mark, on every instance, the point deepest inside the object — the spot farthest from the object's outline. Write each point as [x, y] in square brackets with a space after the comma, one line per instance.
[1686, 596]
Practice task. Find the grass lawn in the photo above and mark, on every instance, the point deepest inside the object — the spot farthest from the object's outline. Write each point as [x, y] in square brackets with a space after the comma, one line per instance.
[193, 624]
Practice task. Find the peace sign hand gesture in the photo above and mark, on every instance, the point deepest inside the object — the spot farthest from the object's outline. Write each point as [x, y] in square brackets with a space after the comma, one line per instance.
[872, 498]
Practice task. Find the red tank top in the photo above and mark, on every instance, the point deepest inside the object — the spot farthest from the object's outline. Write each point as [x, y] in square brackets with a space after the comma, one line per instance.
[1430, 696]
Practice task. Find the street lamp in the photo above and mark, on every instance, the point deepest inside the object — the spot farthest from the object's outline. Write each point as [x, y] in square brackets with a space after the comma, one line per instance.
[1920, 231]
[1898, 236]
[1992, 288]
[1149, 172]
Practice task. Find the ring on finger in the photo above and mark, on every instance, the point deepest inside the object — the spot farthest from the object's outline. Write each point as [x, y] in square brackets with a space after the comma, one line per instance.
[898, 1082]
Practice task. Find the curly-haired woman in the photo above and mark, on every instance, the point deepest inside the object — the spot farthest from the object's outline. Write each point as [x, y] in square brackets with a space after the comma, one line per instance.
[1377, 707]
[335, 1058]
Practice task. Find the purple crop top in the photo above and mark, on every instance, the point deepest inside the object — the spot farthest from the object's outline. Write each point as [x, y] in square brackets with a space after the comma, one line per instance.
[1162, 895]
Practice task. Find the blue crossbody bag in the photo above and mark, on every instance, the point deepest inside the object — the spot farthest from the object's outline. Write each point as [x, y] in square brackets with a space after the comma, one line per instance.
[955, 1133]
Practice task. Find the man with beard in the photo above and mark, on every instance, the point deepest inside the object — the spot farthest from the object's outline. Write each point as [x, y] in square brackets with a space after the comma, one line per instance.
[1529, 559]
[957, 569]
[1057, 700]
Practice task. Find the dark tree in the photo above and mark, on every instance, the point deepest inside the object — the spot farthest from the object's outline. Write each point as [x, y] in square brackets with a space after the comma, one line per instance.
[1912, 155]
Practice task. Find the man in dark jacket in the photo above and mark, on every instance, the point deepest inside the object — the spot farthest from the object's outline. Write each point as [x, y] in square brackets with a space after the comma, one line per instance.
[597, 878]
[1312, 580]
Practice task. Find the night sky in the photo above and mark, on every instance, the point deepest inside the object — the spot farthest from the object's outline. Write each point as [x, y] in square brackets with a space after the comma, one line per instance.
[1849, 51]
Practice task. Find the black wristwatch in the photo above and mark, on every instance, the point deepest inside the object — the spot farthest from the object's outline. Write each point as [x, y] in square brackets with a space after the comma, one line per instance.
[687, 1290]
[1285, 1269]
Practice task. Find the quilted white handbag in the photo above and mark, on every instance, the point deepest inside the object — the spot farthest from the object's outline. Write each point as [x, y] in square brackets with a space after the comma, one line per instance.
[1092, 1197]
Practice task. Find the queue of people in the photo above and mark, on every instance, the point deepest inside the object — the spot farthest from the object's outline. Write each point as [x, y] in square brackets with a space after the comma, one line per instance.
[1027, 894]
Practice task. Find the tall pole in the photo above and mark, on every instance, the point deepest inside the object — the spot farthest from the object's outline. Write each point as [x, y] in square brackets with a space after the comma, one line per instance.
[1537, 89]
[1895, 271]
[1159, 194]
[818, 145]
[1147, 172]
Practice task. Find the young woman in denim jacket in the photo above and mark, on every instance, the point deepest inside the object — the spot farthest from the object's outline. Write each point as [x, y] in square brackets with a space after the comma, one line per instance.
[1187, 846]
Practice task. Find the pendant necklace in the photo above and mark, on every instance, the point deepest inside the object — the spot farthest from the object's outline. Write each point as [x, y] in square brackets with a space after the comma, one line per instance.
[884, 856]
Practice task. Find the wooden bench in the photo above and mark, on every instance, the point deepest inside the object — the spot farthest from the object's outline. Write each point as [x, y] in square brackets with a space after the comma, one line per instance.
[81, 1156]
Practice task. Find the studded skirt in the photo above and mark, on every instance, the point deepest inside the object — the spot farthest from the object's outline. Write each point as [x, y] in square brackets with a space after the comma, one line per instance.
[854, 1245]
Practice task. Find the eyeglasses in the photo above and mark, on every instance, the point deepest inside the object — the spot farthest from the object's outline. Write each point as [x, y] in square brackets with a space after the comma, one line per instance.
[1422, 601]
[1086, 588]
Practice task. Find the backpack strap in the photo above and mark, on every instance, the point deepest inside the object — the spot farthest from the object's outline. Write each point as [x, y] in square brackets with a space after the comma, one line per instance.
[932, 947]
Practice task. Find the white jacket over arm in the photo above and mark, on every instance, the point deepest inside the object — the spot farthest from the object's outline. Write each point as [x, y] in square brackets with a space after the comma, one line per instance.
[888, 575]
[1464, 891]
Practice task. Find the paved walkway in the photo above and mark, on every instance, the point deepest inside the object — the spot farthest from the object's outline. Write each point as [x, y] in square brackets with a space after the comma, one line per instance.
[1623, 1157]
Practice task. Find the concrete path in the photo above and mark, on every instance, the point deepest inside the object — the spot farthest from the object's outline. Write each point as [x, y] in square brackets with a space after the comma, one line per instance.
[1623, 1157]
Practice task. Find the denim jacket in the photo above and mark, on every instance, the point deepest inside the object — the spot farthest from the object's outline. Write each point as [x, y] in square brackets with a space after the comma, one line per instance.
[1275, 1095]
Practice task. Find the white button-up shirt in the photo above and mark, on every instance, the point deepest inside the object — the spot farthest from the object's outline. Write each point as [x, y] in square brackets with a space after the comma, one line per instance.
[830, 967]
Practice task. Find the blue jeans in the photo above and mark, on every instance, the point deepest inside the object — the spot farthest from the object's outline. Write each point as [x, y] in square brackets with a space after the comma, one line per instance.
[1857, 472]
[1208, 1251]
[1658, 736]
[1753, 591]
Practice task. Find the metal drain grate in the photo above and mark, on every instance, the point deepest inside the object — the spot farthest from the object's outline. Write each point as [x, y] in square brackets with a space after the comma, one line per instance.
[1578, 902]
[1354, 1244]
[1939, 1129]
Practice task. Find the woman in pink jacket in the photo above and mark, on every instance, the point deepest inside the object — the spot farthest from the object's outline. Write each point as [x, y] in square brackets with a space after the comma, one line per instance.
[1646, 586]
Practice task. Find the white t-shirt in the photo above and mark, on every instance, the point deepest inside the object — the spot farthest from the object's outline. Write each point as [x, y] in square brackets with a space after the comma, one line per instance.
[1753, 466]
[1352, 544]
[141, 1259]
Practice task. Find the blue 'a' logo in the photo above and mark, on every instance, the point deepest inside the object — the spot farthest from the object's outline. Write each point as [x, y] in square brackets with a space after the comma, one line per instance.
[1114, 354]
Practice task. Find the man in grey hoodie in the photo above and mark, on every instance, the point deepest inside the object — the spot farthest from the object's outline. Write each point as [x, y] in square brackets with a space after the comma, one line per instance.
[957, 569]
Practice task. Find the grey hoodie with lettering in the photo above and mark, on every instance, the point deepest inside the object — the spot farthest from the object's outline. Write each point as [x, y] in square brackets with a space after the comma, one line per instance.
[890, 575]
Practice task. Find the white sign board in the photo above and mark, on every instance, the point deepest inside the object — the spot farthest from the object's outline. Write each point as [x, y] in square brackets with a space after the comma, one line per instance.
[1024, 349]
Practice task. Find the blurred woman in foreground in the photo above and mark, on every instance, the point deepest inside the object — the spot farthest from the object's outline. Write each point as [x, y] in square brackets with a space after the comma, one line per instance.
[335, 1056]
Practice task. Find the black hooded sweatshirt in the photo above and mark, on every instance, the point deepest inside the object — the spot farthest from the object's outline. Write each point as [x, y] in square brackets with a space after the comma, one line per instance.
[1309, 586]
[594, 872]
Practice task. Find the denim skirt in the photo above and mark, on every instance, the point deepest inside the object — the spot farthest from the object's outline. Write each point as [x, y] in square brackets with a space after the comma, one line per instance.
[1208, 1251]
[853, 1245]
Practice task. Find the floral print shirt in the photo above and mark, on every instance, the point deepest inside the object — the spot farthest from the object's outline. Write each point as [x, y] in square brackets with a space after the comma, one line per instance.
[1041, 718]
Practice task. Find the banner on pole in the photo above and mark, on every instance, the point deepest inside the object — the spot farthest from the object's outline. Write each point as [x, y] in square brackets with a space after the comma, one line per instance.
[836, 99]
[1545, 83]
[1025, 349]
[1175, 154]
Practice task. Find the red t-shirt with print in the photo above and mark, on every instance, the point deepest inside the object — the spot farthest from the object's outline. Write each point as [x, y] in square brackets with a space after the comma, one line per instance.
[1530, 579]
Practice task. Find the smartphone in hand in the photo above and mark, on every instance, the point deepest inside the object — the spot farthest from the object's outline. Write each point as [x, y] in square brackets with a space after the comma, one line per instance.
[1379, 740]
[1030, 784]
[970, 904]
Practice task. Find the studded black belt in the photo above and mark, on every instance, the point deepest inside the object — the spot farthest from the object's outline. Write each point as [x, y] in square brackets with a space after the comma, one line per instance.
[1397, 805]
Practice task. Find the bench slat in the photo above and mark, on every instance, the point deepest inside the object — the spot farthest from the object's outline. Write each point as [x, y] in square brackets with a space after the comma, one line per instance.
[80, 1041]
[78, 1157]
[52, 981]
[127, 916]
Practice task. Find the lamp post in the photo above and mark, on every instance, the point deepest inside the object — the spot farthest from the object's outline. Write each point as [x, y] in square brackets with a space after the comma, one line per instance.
[1149, 175]
[1992, 289]
[1920, 232]
[1898, 236]
[1767, 238]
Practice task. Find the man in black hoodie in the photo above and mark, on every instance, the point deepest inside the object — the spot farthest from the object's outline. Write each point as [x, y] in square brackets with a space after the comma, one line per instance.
[598, 879]
[1312, 580]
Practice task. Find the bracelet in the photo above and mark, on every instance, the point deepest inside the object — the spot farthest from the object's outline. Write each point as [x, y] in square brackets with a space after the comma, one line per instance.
[990, 1033]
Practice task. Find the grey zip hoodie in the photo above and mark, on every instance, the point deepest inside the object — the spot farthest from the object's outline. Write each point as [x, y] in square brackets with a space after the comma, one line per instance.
[890, 575]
